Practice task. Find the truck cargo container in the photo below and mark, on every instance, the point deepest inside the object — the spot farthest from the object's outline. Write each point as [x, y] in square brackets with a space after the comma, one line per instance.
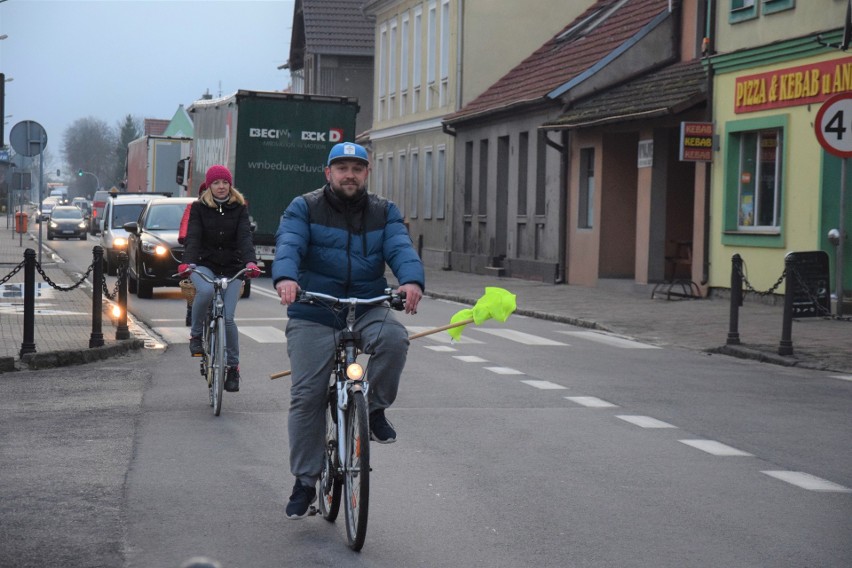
[275, 145]
[151, 163]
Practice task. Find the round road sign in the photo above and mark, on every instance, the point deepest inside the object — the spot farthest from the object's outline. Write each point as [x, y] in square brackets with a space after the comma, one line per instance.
[833, 125]
[28, 138]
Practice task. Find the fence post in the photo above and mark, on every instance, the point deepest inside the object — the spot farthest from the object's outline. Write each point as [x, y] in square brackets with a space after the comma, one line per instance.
[786, 345]
[28, 344]
[121, 331]
[96, 338]
[736, 299]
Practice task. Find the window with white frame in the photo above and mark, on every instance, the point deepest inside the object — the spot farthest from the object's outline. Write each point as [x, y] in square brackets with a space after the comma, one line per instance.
[445, 52]
[401, 190]
[742, 10]
[414, 185]
[427, 184]
[759, 175]
[379, 171]
[417, 59]
[404, 54]
[392, 52]
[440, 194]
[431, 49]
[389, 188]
[383, 79]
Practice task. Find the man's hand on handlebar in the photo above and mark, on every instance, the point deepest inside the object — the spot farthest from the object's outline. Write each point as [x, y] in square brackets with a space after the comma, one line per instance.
[288, 291]
[413, 294]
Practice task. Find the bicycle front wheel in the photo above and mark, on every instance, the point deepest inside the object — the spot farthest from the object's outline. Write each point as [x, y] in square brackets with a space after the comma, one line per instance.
[356, 471]
[330, 483]
[218, 364]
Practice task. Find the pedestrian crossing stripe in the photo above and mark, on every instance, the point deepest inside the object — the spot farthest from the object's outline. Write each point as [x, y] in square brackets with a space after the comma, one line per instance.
[440, 337]
[264, 333]
[520, 337]
[608, 339]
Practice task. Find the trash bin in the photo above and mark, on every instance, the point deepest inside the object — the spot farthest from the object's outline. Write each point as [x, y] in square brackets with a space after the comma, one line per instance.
[20, 222]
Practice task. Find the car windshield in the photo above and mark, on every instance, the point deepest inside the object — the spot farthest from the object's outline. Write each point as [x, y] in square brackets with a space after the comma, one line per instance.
[60, 213]
[164, 216]
[125, 213]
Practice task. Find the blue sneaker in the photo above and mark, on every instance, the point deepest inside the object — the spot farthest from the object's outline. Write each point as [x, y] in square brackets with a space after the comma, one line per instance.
[300, 501]
[381, 430]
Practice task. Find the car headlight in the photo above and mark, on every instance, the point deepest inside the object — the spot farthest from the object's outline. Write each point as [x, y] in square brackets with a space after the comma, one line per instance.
[155, 249]
[81, 225]
[54, 225]
[119, 242]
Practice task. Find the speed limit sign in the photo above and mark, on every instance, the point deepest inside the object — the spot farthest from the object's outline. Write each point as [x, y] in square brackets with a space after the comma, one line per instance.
[833, 125]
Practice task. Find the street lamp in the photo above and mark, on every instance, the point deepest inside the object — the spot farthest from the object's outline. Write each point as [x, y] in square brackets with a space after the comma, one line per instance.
[80, 173]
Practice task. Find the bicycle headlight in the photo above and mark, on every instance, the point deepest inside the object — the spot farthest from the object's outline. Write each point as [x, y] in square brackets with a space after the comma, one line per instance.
[355, 372]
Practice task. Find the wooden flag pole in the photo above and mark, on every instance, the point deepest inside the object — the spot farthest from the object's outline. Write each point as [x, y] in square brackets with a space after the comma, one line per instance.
[280, 374]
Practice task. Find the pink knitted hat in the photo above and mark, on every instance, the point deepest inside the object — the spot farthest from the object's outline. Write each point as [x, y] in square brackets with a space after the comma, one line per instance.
[218, 172]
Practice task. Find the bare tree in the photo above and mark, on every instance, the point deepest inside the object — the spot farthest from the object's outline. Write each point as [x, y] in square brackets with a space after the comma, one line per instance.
[89, 146]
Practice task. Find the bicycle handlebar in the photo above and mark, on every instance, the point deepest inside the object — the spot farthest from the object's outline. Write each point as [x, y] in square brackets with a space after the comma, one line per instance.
[210, 280]
[396, 300]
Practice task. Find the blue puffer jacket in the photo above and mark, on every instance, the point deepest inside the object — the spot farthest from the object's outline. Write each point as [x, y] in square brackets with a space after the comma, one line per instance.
[340, 248]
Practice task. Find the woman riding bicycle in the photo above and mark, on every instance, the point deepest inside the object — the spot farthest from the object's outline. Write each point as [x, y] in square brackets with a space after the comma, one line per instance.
[218, 243]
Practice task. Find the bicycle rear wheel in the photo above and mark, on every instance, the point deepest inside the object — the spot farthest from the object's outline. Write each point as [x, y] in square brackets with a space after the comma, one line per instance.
[330, 483]
[218, 364]
[356, 471]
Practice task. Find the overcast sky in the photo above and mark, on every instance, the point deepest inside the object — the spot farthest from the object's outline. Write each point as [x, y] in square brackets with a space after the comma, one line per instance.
[71, 59]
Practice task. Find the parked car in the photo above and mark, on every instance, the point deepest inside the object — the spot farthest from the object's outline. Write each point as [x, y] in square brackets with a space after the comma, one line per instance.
[67, 221]
[47, 205]
[153, 250]
[120, 208]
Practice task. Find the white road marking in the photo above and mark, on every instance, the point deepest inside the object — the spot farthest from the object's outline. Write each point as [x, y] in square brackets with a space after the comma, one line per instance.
[266, 292]
[520, 337]
[842, 377]
[174, 334]
[504, 370]
[715, 448]
[591, 402]
[611, 340]
[441, 348]
[807, 481]
[470, 359]
[441, 336]
[544, 385]
[645, 421]
[264, 333]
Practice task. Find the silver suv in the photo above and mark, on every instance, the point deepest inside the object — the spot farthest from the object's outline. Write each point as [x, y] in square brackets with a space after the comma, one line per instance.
[120, 208]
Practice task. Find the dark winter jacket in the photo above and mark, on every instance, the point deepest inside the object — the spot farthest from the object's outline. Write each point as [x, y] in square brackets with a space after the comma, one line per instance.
[340, 248]
[219, 235]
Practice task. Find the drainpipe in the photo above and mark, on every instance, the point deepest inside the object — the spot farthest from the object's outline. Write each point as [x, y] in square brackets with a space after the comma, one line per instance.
[562, 202]
[710, 37]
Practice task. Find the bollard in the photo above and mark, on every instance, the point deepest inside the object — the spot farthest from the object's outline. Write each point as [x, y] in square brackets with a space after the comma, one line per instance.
[28, 345]
[736, 299]
[121, 331]
[786, 345]
[96, 338]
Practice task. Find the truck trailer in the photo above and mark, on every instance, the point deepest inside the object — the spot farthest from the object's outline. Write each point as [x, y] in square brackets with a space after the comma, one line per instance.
[275, 145]
[151, 163]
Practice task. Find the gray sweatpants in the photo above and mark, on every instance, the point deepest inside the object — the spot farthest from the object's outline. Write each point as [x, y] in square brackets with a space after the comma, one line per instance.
[311, 348]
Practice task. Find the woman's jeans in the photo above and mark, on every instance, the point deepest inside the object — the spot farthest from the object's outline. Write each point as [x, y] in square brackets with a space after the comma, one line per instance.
[201, 303]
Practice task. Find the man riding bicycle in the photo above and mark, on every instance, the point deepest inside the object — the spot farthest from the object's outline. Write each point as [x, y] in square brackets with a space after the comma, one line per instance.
[336, 240]
[218, 243]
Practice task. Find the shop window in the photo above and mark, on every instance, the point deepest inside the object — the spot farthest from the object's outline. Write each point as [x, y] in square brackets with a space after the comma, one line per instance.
[772, 6]
[742, 10]
[755, 181]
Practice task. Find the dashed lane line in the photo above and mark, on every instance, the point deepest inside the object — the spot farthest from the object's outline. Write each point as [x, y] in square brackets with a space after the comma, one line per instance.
[470, 359]
[645, 421]
[520, 337]
[504, 370]
[544, 385]
[808, 481]
[714, 448]
[591, 402]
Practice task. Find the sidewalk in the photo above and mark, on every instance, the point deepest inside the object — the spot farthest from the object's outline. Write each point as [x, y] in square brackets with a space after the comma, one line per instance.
[63, 319]
[63, 322]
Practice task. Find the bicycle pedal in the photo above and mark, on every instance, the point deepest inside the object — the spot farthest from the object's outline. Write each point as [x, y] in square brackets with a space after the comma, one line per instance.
[312, 510]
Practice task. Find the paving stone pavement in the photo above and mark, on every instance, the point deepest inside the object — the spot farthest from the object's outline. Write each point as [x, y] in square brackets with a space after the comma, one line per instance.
[63, 320]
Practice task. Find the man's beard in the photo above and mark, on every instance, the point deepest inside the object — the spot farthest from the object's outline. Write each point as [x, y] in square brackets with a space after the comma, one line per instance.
[339, 192]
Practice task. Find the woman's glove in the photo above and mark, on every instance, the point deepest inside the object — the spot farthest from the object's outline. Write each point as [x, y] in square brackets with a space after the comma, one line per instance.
[252, 271]
[184, 270]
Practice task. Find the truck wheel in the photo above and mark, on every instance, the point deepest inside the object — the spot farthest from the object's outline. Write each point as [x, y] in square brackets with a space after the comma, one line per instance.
[247, 289]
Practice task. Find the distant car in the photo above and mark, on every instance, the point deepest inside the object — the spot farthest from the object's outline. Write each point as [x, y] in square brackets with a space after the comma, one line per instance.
[152, 245]
[120, 208]
[84, 205]
[98, 203]
[47, 205]
[67, 221]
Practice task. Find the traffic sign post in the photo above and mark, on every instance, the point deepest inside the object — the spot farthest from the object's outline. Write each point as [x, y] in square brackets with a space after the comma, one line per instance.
[833, 127]
[28, 138]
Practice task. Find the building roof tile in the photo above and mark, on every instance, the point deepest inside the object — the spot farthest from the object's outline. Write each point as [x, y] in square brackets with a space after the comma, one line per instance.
[337, 27]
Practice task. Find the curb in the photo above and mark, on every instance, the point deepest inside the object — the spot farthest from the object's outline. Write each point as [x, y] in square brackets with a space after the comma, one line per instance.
[34, 361]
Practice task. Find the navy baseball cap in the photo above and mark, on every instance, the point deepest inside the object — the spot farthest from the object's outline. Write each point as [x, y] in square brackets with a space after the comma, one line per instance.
[348, 151]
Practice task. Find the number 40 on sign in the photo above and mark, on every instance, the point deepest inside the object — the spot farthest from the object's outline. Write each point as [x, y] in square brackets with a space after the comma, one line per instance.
[833, 125]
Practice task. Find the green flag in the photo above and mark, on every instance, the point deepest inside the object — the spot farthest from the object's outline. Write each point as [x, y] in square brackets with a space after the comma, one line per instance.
[497, 303]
